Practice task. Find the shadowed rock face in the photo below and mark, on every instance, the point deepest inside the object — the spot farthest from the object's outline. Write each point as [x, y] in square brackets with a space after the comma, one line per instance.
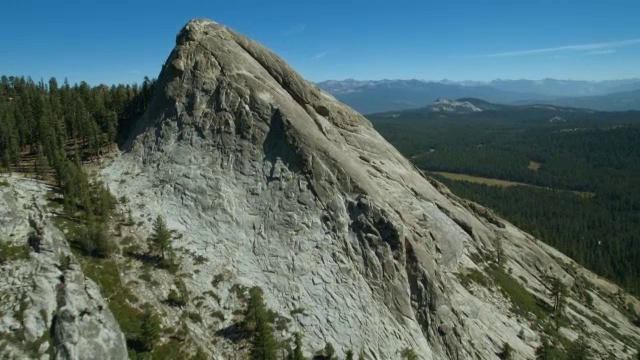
[280, 186]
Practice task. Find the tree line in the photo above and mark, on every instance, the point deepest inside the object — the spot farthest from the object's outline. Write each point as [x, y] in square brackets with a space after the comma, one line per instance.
[45, 123]
[50, 129]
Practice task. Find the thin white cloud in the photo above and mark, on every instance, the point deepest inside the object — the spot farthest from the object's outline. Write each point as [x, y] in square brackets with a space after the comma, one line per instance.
[296, 29]
[320, 55]
[601, 52]
[608, 46]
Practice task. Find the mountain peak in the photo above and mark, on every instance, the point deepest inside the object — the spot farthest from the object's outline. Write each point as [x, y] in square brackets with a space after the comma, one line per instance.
[276, 184]
[215, 75]
[197, 29]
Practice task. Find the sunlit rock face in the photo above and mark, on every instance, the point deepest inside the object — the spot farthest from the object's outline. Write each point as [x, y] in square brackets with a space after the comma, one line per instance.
[271, 182]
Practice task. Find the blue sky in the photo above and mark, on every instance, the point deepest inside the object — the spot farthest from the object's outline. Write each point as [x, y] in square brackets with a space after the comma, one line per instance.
[121, 41]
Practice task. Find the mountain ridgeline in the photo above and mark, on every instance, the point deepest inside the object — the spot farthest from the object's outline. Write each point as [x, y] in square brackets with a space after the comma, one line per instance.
[257, 217]
[392, 95]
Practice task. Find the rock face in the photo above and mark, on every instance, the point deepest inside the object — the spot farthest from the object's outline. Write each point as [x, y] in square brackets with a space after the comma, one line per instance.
[48, 310]
[273, 183]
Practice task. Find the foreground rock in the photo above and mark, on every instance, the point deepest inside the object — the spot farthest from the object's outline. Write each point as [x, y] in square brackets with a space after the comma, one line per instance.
[48, 309]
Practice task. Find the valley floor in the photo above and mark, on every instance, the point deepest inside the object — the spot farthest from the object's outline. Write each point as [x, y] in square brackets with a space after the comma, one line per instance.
[500, 182]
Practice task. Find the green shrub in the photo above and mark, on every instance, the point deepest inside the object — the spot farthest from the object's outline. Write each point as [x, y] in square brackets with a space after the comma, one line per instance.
[93, 239]
[215, 296]
[195, 317]
[65, 262]
[409, 354]
[171, 350]
[199, 259]
[329, 352]
[146, 276]
[127, 240]
[473, 275]
[174, 299]
[217, 279]
[298, 311]
[506, 353]
[105, 274]
[9, 252]
[217, 314]
[240, 292]
[523, 301]
[169, 264]
[149, 328]
[178, 297]
[282, 323]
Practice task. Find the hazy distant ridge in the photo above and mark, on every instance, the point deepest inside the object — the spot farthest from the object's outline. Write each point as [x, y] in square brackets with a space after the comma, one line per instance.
[369, 96]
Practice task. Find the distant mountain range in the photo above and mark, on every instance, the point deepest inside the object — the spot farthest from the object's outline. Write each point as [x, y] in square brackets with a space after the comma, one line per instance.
[471, 106]
[618, 101]
[392, 95]
[566, 88]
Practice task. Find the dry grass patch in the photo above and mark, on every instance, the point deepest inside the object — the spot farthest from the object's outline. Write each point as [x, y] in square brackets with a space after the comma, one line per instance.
[477, 179]
[533, 165]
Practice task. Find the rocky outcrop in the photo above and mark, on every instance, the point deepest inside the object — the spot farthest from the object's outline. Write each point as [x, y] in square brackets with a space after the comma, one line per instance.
[48, 309]
[453, 107]
[273, 183]
[557, 119]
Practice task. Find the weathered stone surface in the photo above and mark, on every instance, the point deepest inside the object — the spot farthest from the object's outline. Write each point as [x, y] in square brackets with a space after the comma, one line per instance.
[270, 182]
[278, 185]
[41, 302]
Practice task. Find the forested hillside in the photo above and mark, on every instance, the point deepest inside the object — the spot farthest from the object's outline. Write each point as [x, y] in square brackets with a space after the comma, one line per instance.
[568, 150]
[42, 124]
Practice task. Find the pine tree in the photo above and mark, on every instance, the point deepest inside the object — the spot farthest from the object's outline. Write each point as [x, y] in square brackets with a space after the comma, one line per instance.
[6, 160]
[39, 163]
[200, 355]
[103, 202]
[578, 350]
[500, 257]
[329, 352]
[545, 351]
[45, 116]
[161, 236]
[559, 293]
[264, 345]
[149, 329]
[296, 353]
[349, 355]
[506, 353]
[130, 220]
[95, 239]
[112, 126]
